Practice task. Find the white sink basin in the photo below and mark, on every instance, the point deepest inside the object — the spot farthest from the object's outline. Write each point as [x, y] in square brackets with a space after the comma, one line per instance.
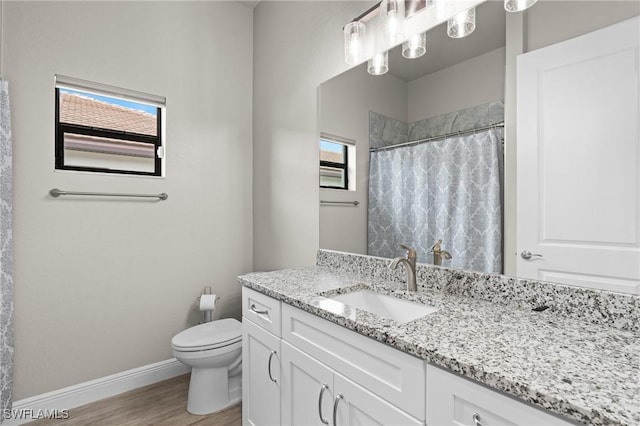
[385, 306]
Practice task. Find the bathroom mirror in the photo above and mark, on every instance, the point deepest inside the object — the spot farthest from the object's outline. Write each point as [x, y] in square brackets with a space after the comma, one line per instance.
[378, 111]
[457, 83]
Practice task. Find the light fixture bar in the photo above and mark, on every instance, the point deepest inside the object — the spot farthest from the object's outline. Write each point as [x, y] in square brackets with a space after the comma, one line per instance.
[368, 14]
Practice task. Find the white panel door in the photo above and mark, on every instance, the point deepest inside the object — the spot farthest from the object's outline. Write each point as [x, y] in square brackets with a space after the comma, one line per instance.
[578, 166]
[307, 389]
[260, 376]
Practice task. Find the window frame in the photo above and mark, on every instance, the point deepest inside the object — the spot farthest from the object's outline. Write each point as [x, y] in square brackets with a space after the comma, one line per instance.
[344, 166]
[65, 128]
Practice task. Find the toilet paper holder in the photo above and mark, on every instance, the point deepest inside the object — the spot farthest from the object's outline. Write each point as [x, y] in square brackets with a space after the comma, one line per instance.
[208, 313]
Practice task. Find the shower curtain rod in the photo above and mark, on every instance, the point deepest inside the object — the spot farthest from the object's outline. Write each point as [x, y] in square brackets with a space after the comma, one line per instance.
[435, 138]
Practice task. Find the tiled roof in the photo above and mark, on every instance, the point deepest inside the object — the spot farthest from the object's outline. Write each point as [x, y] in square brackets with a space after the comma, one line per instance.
[80, 110]
[334, 157]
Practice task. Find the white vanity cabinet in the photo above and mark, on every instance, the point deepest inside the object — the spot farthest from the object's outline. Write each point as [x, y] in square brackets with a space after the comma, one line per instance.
[454, 400]
[314, 394]
[374, 383]
[261, 372]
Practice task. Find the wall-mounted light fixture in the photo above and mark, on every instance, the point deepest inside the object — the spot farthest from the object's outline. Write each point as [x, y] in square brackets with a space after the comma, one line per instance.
[396, 16]
[462, 24]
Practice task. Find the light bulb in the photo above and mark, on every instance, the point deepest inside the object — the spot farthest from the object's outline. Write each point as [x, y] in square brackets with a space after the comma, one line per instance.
[379, 64]
[462, 24]
[354, 34]
[415, 47]
[392, 14]
[518, 5]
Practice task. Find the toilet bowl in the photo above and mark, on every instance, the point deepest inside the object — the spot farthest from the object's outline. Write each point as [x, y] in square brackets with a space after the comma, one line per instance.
[213, 350]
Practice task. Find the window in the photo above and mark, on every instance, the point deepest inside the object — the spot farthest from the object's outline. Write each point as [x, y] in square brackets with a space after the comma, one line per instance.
[102, 128]
[334, 164]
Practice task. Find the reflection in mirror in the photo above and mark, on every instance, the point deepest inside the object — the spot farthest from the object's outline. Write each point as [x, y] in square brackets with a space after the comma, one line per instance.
[457, 86]
[334, 163]
[429, 150]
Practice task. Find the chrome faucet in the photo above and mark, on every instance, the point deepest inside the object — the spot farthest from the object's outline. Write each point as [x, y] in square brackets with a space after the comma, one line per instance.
[439, 254]
[409, 263]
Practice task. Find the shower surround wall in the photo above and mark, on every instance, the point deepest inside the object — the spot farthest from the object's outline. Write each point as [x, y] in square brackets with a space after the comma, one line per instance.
[385, 131]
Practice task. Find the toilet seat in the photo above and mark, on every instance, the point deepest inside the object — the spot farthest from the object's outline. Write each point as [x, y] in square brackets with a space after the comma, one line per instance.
[207, 336]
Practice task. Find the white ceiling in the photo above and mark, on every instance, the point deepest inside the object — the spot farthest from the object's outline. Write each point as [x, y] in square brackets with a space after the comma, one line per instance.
[443, 51]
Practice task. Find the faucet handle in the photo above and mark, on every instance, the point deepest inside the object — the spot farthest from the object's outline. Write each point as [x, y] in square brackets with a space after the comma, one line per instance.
[435, 248]
[411, 253]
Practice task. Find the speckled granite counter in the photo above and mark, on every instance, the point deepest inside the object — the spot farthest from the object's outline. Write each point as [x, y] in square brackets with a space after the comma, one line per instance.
[587, 372]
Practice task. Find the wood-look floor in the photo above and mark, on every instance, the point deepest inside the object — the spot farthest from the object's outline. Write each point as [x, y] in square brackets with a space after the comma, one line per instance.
[162, 403]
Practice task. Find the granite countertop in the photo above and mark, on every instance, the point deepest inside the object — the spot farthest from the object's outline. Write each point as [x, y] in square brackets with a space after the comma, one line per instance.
[589, 373]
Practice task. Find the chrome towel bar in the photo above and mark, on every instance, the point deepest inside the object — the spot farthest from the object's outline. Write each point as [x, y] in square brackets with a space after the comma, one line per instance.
[349, 203]
[58, 192]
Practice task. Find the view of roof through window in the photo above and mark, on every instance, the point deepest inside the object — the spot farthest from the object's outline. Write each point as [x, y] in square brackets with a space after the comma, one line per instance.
[333, 165]
[100, 132]
[331, 151]
[87, 109]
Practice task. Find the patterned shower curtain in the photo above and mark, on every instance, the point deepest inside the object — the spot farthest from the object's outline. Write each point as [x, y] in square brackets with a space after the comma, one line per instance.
[6, 254]
[448, 189]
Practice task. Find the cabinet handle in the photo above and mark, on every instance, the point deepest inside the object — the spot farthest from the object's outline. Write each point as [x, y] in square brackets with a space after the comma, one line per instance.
[335, 408]
[257, 311]
[269, 366]
[476, 419]
[322, 389]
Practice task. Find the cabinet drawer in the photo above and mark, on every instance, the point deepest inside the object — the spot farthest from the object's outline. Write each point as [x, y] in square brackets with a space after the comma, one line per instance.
[262, 310]
[452, 399]
[389, 373]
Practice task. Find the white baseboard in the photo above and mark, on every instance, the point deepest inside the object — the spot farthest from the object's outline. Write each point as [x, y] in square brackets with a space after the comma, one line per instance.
[94, 390]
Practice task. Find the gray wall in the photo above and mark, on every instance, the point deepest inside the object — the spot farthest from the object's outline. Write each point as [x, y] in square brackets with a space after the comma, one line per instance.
[345, 102]
[475, 81]
[554, 21]
[298, 45]
[102, 286]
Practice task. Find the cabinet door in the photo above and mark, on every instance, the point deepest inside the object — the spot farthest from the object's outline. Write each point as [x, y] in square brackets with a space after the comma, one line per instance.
[260, 376]
[355, 406]
[307, 389]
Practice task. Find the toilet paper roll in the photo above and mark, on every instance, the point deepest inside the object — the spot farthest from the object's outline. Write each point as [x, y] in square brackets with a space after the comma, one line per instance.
[207, 302]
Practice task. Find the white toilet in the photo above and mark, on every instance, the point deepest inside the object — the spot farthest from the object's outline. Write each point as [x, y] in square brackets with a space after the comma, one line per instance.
[213, 350]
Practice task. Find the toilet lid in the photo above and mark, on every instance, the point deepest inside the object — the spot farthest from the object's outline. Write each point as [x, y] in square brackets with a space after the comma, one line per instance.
[209, 335]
